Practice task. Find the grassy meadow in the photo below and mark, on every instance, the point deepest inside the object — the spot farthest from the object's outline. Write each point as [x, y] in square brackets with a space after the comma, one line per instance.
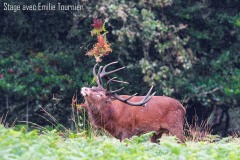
[53, 145]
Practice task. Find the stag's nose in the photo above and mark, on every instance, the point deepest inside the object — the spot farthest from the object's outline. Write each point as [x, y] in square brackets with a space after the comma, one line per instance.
[84, 91]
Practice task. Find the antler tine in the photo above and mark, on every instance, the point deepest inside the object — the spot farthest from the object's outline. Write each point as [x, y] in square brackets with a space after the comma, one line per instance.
[141, 103]
[108, 83]
[120, 81]
[100, 70]
[109, 64]
[124, 100]
[108, 86]
[94, 70]
[104, 73]
[99, 79]
[147, 96]
[114, 92]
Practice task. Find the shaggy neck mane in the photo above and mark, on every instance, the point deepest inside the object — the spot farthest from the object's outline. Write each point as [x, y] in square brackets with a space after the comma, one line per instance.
[103, 118]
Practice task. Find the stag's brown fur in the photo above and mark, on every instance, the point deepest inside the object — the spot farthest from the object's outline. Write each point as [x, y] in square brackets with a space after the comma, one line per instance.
[161, 114]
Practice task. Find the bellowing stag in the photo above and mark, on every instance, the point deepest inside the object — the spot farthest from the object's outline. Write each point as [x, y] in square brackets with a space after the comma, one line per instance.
[124, 116]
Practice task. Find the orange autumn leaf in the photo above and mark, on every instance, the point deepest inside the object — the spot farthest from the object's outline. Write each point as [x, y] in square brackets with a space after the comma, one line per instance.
[101, 48]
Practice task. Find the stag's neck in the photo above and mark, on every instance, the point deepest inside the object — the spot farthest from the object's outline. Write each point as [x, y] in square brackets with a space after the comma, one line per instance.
[103, 118]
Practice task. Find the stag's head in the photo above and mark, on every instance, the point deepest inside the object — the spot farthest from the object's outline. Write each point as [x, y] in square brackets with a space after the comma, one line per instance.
[94, 95]
[99, 94]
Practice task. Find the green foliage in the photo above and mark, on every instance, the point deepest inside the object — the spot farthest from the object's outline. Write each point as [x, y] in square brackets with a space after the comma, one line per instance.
[28, 76]
[187, 50]
[146, 40]
[49, 145]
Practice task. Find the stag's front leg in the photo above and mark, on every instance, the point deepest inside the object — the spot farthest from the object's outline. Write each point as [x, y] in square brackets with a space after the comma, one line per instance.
[157, 135]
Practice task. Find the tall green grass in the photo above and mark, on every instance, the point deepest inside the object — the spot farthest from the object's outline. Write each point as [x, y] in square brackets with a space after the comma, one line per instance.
[49, 145]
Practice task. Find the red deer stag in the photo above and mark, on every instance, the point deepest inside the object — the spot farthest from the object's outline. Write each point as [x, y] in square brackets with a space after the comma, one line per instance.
[124, 116]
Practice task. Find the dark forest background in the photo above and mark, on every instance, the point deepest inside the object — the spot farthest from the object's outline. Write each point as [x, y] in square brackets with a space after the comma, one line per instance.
[187, 49]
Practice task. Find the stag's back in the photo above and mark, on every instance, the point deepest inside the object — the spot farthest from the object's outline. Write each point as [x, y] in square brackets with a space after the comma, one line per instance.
[161, 112]
[157, 105]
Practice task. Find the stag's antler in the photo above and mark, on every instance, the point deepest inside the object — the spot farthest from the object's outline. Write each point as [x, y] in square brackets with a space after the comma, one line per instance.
[115, 95]
[103, 74]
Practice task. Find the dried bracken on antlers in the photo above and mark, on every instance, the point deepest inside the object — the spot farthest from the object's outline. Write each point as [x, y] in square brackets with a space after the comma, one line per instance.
[102, 73]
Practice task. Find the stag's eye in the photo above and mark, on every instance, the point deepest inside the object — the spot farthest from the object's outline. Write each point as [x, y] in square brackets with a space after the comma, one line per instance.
[99, 95]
